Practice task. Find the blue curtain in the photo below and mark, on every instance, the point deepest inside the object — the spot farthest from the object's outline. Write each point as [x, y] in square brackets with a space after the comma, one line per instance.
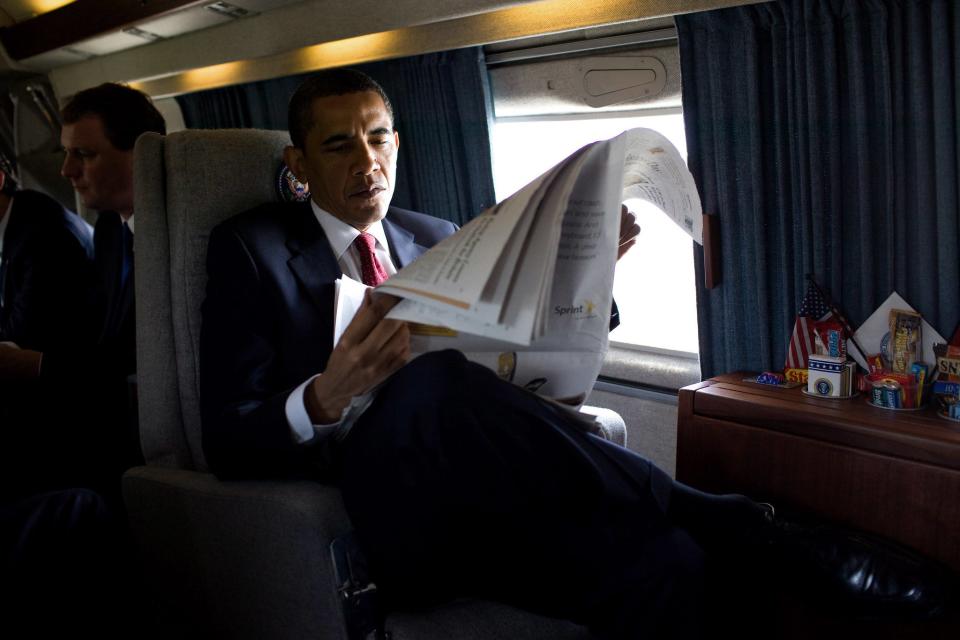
[824, 134]
[443, 110]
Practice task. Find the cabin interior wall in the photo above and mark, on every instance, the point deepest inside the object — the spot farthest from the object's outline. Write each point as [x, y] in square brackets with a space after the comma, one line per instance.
[651, 425]
[169, 108]
[36, 139]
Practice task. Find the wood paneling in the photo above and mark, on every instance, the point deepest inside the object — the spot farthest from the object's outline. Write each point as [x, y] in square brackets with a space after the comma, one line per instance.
[896, 474]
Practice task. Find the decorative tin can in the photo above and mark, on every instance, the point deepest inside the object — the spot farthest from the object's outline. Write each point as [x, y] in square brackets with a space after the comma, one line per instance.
[891, 395]
[877, 395]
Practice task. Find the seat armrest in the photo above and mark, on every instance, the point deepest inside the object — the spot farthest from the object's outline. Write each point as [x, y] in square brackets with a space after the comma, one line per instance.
[238, 559]
[611, 423]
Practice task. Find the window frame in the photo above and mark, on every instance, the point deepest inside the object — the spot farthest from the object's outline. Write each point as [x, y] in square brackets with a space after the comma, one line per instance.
[628, 368]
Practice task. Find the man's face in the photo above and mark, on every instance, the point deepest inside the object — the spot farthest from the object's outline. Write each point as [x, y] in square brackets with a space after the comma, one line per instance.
[101, 174]
[349, 157]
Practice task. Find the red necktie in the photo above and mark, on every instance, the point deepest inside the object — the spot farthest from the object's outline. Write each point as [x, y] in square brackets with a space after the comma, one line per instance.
[370, 268]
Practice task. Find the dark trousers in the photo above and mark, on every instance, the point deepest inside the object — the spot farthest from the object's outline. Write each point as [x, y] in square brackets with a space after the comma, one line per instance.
[459, 484]
[82, 440]
[64, 566]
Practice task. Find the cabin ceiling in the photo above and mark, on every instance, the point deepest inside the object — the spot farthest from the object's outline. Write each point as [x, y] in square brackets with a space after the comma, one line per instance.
[35, 36]
[167, 47]
[13, 11]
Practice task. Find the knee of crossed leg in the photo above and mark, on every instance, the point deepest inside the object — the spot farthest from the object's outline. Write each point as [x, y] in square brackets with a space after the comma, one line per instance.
[430, 380]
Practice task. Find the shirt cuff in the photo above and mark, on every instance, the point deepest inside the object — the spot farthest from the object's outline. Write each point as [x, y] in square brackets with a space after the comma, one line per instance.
[302, 429]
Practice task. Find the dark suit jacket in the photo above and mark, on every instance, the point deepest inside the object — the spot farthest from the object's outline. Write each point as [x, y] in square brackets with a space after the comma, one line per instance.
[268, 326]
[115, 327]
[45, 273]
[89, 435]
[106, 333]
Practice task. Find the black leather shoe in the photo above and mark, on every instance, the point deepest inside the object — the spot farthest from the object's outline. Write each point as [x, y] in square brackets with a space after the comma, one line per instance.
[859, 574]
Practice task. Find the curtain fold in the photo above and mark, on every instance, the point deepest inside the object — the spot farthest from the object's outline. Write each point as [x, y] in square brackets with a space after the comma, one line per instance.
[824, 134]
[443, 109]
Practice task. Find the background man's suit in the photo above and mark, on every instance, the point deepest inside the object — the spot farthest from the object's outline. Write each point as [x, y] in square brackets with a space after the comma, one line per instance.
[45, 279]
[44, 276]
[94, 418]
[457, 482]
[115, 327]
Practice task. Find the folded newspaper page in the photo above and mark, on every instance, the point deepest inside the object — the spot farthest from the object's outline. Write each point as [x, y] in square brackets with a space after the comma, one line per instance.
[525, 288]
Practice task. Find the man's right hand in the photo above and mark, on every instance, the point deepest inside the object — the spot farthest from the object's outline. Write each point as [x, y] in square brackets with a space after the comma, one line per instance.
[18, 364]
[369, 351]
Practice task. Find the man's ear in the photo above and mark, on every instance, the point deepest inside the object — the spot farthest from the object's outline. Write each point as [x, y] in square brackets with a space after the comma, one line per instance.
[294, 159]
[396, 139]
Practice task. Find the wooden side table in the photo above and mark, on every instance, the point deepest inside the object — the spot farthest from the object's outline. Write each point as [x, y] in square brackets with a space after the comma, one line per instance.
[894, 473]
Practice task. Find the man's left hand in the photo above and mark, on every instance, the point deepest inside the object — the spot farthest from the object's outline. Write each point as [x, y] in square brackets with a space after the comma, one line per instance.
[629, 230]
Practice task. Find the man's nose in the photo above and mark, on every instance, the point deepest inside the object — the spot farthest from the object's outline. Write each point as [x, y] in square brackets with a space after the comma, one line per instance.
[69, 167]
[366, 161]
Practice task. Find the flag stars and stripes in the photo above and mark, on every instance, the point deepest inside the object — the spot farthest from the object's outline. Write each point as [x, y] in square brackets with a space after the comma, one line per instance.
[813, 308]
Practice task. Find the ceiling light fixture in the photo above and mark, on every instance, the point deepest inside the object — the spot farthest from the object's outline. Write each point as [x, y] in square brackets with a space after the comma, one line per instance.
[149, 36]
[229, 10]
[77, 52]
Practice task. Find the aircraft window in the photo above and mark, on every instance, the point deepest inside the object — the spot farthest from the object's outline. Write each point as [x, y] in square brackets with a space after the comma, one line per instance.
[654, 284]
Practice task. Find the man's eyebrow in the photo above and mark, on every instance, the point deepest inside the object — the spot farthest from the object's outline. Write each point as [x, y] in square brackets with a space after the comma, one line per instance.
[337, 137]
[342, 137]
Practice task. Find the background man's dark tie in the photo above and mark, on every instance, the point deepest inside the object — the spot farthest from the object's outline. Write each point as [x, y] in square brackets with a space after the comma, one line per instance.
[127, 252]
[371, 270]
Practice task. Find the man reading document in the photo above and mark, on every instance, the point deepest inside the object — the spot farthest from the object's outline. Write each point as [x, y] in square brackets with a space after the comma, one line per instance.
[457, 482]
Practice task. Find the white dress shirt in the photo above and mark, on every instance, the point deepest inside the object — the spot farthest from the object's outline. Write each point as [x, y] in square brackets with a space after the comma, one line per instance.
[341, 237]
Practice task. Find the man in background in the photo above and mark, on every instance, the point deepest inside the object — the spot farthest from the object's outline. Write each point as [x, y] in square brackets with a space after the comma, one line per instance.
[68, 546]
[45, 276]
[87, 377]
[45, 257]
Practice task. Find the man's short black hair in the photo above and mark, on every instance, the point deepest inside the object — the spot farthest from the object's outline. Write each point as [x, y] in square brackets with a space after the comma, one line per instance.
[125, 112]
[330, 82]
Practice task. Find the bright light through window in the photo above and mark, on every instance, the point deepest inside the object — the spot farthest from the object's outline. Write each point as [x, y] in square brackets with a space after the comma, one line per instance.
[654, 283]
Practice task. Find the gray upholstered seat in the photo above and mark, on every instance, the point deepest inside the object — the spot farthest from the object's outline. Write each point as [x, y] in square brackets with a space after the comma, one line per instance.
[238, 559]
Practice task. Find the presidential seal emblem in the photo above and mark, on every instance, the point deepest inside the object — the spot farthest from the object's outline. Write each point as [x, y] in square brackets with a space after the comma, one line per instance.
[289, 189]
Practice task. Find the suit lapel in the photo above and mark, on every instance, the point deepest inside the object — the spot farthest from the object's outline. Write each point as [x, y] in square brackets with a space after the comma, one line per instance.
[313, 263]
[312, 260]
[403, 249]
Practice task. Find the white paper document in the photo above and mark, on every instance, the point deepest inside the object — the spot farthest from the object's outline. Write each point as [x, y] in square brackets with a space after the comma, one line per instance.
[656, 173]
[525, 288]
[348, 296]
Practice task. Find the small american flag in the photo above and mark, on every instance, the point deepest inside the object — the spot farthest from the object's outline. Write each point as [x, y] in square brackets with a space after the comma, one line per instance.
[813, 308]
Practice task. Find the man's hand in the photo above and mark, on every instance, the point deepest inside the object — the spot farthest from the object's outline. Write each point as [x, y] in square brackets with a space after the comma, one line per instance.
[370, 350]
[18, 364]
[629, 230]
